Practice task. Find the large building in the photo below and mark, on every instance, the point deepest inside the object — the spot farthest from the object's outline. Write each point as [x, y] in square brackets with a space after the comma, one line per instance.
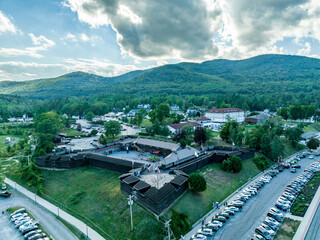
[222, 115]
[176, 128]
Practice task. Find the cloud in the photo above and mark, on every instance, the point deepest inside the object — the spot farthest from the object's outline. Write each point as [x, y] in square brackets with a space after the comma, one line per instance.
[147, 29]
[204, 29]
[41, 44]
[20, 71]
[6, 25]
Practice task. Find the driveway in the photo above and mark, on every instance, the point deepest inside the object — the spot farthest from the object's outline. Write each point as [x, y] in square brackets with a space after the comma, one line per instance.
[49, 222]
[242, 225]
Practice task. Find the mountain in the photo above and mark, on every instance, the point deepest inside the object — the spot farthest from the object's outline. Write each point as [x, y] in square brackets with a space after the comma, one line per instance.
[72, 84]
[264, 74]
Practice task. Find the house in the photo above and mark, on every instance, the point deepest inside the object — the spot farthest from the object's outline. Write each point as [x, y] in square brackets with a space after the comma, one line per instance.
[223, 115]
[132, 112]
[208, 123]
[145, 106]
[175, 108]
[257, 119]
[175, 128]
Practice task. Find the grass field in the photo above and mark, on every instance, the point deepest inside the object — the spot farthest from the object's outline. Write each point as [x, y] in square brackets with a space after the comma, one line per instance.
[95, 193]
[220, 185]
[72, 132]
[3, 139]
[314, 127]
[288, 149]
[287, 229]
[146, 123]
[302, 202]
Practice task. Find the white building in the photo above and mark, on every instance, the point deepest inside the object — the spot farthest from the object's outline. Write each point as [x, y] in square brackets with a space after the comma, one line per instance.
[208, 123]
[176, 128]
[223, 115]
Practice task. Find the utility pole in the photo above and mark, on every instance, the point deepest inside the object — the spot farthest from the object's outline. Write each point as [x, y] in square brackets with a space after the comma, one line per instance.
[130, 203]
[167, 224]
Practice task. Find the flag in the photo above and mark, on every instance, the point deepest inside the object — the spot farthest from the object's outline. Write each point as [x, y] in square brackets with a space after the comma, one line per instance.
[157, 169]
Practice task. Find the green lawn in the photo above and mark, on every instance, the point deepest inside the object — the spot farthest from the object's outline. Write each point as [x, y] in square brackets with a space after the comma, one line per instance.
[220, 185]
[72, 132]
[288, 149]
[95, 193]
[3, 139]
[287, 229]
[145, 123]
[314, 127]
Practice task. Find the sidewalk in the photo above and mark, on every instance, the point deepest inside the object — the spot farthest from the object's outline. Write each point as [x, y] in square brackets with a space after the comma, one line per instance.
[307, 219]
[84, 228]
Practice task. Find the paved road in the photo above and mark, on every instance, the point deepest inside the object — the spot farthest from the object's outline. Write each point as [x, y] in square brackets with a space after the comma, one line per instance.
[314, 229]
[242, 225]
[49, 222]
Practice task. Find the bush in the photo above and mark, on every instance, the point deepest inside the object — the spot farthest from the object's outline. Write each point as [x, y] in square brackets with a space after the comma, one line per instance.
[180, 224]
[232, 164]
[262, 162]
[197, 182]
[313, 143]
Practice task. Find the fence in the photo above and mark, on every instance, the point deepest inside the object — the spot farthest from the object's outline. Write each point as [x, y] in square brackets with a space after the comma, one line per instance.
[62, 211]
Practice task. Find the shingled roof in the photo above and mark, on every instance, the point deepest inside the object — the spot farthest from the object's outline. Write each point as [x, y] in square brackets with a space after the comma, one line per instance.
[131, 180]
[142, 185]
[181, 125]
[157, 195]
[179, 180]
[224, 110]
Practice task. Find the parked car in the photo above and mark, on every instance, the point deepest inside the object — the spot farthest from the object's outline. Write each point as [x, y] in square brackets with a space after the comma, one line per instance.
[263, 232]
[5, 194]
[212, 226]
[237, 204]
[206, 232]
[21, 210]
[234, 209]
[29, 229]
[257, 237]
[296, 166]
[269, 229]
[273, 224]
[220, 219]
[36, 236]
[276, 216]
[224, 214]
[3, 187]
[282, 206]
[293, 170]
[29, 234]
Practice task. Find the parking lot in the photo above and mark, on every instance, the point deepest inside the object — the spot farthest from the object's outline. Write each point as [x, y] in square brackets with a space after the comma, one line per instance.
[242, 224]
[7, 229]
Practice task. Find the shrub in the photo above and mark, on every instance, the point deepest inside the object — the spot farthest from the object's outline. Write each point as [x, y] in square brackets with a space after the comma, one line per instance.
[197, 182]
[313, 143]
[262, 162]
[180, 224]
[232, 164]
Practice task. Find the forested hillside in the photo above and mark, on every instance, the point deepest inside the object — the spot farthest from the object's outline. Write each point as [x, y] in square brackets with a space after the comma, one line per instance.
[271, 75]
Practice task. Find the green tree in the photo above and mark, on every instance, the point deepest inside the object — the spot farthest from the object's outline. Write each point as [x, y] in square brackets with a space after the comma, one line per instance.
[180, 224]
[313, 143]
[266, 144]
[89, 116]
[232, 164]
[112, 128]
[197, 182]
[200, 135]
[94, 132]
[294, 135]
[162, 112]
[277, 148]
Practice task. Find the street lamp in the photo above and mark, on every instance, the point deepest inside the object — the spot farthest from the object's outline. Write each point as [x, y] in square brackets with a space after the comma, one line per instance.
[130, 203]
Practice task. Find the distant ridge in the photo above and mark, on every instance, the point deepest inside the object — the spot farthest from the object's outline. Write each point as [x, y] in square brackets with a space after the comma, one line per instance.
[264, 74]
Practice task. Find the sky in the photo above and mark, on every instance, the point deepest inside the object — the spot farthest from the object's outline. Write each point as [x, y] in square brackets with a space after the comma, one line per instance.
[49, 38]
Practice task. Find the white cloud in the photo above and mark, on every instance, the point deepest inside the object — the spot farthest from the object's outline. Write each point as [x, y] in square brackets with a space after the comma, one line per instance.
[20, 71]
[41, 44]
[6, 25]
[204, 29]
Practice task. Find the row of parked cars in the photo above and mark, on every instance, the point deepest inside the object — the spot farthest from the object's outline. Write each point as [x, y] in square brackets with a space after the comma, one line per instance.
[207, 231]
[271, 224]
[27, 226]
